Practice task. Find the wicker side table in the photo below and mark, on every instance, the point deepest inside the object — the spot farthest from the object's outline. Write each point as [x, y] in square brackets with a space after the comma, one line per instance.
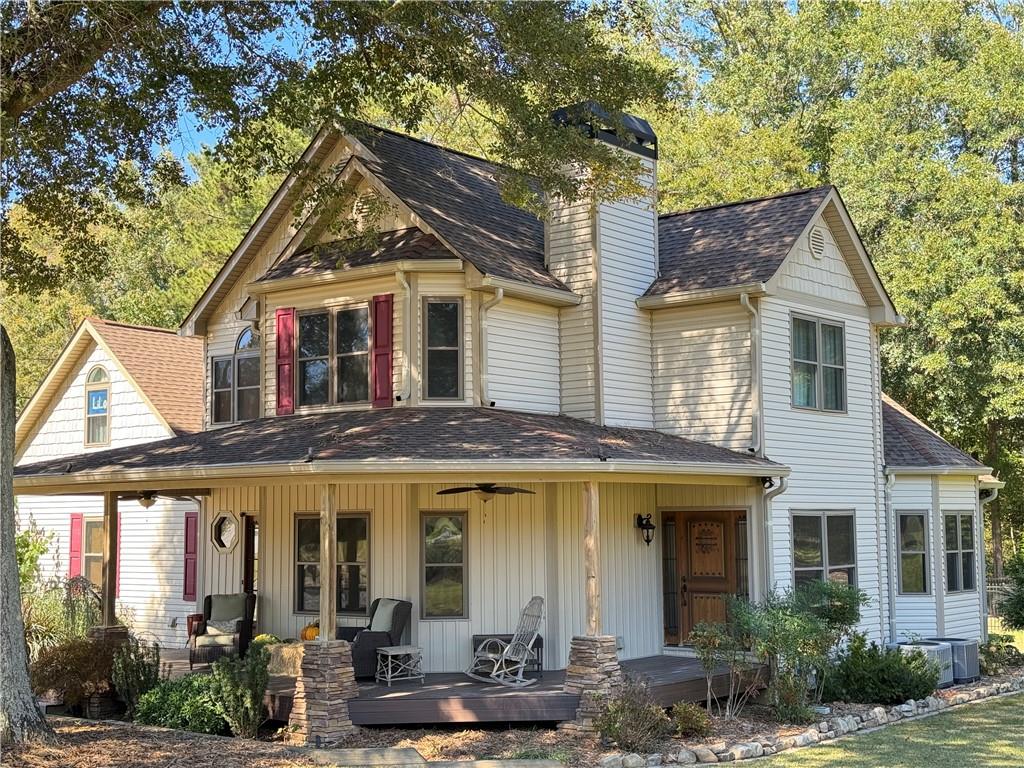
[399, 662]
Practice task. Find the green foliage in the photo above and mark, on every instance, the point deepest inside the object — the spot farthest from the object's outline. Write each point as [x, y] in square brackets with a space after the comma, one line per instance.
[59, 614]
[871, 675]
[30, 544]
[186, 703]
[690, 720]
[1012, 604]
[998, 653]
[632, 719]
[265, 639]
[239, 685]
[726, 645]
[136, 670]
[76, 669]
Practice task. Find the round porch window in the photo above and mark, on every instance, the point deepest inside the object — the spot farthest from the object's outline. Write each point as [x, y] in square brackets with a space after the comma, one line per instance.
[225, 532]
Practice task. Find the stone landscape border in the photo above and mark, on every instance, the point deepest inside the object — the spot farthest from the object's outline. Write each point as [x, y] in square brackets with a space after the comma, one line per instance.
[825, 730]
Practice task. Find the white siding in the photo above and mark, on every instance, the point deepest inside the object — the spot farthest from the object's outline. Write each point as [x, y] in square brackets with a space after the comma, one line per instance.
[431, 285]
[827, 277]
[916, 615]
[702, 373]
[522, 356]
[962, 614]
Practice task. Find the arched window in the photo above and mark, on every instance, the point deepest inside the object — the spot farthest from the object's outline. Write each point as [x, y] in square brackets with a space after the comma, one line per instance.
[97, 407]
[236, 381]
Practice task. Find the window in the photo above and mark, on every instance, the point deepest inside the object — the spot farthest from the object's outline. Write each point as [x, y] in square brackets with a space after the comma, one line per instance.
[337, 351]
[959, 551]
[224, 532]
[819, 365]
[442, 349]
[824, 546]
[92, 550]
[353, 585]
[444, 566]
[913, 533]
[236, 381]
[97, 407]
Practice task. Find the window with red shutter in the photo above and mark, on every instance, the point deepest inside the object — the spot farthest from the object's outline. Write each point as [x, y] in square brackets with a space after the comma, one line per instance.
[191, 540]
[285, 334]
[383, 353]
[75, 547]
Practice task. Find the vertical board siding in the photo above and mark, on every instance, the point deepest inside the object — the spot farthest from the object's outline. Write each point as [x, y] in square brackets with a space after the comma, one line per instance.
[962, 610]
[915, 615]
[702, 373]
[522, 356]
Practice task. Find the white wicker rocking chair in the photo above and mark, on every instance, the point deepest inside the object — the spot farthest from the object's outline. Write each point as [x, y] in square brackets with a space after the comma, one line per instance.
[496, 661]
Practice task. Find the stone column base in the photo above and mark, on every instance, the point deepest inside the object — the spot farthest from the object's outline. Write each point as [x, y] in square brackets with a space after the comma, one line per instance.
[323, 689]
[118, 633]
[593, 674]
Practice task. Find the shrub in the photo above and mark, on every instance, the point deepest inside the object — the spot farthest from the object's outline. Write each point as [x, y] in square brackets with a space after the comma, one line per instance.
[30, 544]
[633, 719]
[239, 685]
[265, 639]
[690, 720]
[186, 703]
[136, 670]
[868, 674]
[59, 614]
[998, 653]
[725, 645]
[77, 669]
[1012, 605]
[788, 696]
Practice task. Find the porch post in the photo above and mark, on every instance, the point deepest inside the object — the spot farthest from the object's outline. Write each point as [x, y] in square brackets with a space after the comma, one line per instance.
[328, 564]
[110, 537]
[592, 555]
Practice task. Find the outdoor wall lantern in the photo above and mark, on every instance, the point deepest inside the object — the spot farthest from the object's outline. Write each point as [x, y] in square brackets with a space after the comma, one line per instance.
[646, 527]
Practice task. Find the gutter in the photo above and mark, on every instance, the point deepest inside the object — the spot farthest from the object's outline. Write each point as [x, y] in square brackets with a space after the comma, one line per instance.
[756, 446]
[702, 296]
[954, 469]
[770, 493]
[993, 489]
[404, 394]
[556, 297]
[890, 550]
[499, 294]
[259, 287]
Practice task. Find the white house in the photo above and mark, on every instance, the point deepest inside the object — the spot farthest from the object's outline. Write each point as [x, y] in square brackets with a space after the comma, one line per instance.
[118, 385]
[714, 372]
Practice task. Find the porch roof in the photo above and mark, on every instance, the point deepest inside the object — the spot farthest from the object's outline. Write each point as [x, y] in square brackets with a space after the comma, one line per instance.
[400, 440]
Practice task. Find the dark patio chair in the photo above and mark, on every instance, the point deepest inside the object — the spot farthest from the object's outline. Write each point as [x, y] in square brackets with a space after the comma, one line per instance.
[388, 620]
[226, 627]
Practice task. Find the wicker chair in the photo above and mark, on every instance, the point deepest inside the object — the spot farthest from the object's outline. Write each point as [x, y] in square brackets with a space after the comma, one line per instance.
[388, 621]
[496, 661]
[226, 627]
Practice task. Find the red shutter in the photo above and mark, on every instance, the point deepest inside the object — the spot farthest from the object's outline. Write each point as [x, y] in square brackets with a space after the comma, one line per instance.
[382, 351]
[191, 531]
[117, 558]
[285, 361]
[75, 549]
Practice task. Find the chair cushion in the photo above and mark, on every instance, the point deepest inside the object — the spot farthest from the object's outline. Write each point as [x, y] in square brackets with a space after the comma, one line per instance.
[226, 627]
[227, 607]
[383, 616]
[208, 641]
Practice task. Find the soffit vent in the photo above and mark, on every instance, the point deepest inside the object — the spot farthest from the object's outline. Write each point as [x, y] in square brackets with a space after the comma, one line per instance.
[816, 243]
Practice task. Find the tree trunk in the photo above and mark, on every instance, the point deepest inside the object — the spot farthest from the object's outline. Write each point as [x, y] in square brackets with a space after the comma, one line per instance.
[20, 717]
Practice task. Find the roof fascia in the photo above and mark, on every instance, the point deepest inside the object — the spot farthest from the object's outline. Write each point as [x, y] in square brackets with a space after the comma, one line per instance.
[261, 287]
[538, 293]
[952, 469]
[703, 296]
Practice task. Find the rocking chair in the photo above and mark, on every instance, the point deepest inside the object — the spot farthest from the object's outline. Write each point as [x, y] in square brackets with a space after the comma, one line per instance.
[496, 661]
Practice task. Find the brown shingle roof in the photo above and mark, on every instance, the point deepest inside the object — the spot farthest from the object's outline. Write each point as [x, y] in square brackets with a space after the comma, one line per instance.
[732, 244]
[909, 442]
[167, 367]
[404, 434]
[395, 245]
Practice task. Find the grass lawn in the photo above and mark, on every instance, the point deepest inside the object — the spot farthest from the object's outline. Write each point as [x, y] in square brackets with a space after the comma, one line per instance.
[995, 625]
[987, 734]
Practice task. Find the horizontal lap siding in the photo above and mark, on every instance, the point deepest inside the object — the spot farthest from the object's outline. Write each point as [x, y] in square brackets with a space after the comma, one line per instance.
[962, 612]
[522, 356]
[916, 614]
[702, 373]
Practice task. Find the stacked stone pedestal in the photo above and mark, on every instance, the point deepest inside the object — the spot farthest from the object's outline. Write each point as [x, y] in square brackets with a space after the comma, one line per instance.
[116, 633]
[593, 674]
[323, 689]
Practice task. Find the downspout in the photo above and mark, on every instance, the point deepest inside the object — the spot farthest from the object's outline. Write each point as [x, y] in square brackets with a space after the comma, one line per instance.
[756, 445]
[407, 322]
[982, 503]
[499, 294]
[890, 530]
[771, 491]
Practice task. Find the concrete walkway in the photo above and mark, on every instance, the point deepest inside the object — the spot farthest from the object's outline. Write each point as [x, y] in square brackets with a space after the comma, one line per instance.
[410, 758]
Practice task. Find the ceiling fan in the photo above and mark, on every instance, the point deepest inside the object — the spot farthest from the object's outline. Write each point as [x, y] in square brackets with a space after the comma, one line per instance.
[486, 491]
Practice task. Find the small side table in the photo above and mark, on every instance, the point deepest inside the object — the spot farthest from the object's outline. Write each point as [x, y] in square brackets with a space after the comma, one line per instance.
[399, 662]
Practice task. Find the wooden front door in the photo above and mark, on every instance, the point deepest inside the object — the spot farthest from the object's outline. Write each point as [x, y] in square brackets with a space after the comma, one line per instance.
[699, 568]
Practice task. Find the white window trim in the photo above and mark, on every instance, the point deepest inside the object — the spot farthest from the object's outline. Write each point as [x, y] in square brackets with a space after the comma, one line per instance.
[426, 302]
[332, 357]
[424, 515]
[924, 514]
[819, 379]
[92, 386]
[296, 563]
[825, 566]
[959, 550]
[234, 359]
[86, 521]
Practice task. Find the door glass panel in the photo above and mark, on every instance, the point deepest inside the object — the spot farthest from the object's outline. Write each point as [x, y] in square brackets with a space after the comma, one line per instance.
[670, 577]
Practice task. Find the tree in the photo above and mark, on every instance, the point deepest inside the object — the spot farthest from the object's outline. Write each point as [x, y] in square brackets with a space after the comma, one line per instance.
[20, 718]
[91, 91]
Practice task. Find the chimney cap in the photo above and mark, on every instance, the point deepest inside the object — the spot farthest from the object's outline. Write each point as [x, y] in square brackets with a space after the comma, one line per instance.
[603, 124]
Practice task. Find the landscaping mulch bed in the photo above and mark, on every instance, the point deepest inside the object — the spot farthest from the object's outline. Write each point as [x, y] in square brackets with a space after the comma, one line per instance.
[92, 744]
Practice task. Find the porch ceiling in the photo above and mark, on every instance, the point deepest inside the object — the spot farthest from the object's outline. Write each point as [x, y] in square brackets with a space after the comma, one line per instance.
[396, 441]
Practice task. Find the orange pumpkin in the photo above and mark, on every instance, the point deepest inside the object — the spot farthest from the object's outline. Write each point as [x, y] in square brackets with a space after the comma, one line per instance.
[310, 632]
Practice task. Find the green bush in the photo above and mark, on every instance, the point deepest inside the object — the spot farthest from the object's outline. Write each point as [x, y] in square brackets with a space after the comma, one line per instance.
[788, 696]
[690, 720]
[998, 653]
[1012, 606]
[59, 614]
[265, 639]
[633, 719]
[136, 670]
[868, 674]
[187, 704]
[76, 669]
[239, 685]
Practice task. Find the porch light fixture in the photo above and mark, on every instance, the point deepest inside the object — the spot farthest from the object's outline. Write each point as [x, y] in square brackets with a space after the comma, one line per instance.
[646, 528]
[147, 499]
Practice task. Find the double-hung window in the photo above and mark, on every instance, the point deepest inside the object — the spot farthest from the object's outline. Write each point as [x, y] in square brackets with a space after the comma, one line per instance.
[334, 356]
[444, 566]
[353, 586]
[824, 547]
[819, 364]
[913, 537]
[959, 531]
[92, 550]
[97, 407]
[236, 381]
[442, 349]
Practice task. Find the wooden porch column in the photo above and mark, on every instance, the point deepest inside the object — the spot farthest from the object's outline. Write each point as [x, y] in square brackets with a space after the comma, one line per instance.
[110, 537]
[328, 564]
[592, 555]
